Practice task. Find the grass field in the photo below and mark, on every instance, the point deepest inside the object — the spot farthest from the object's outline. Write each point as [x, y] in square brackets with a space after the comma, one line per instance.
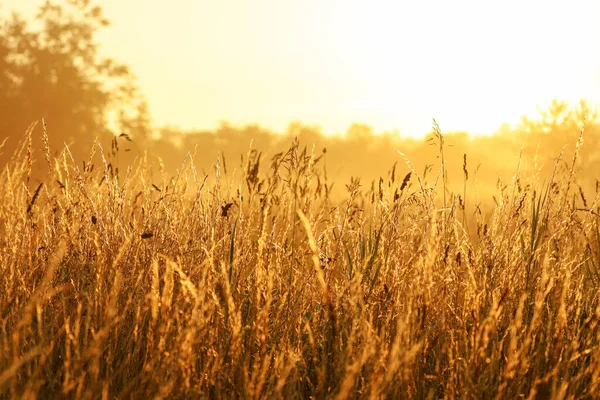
[256, 283]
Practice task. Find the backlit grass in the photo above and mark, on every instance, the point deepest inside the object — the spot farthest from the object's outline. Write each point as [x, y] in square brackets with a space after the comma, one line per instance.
[256, 283]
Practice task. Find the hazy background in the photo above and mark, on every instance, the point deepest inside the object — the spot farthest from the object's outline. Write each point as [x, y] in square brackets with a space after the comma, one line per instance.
[359, 78]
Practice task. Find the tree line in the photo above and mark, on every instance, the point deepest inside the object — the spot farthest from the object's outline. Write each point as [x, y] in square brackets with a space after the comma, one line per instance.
[50, 68]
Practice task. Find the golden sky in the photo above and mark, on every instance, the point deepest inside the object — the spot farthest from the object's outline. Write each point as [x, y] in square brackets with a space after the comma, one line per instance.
[471, 64]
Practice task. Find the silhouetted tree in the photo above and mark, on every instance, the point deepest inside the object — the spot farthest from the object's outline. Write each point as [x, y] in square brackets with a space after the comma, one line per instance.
[51, 69]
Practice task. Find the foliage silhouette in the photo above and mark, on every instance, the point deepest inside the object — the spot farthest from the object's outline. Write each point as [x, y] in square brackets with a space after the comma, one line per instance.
[51, 69]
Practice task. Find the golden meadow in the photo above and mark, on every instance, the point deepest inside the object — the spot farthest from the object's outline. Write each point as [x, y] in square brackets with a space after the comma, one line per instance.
[257, 282]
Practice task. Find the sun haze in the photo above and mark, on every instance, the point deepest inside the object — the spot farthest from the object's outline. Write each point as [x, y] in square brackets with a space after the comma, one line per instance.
[391, 64]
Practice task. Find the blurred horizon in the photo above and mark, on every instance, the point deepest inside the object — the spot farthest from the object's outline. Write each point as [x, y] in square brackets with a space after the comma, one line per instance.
[122, 95]
[390, 65]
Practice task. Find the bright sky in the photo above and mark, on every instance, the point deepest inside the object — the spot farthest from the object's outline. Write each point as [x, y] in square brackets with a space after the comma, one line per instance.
[471, 64]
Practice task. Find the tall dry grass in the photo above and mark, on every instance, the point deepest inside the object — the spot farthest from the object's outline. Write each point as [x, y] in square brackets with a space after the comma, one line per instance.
[255, 283]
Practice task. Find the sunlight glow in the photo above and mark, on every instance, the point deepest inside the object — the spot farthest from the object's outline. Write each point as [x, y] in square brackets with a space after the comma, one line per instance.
[391, 64]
